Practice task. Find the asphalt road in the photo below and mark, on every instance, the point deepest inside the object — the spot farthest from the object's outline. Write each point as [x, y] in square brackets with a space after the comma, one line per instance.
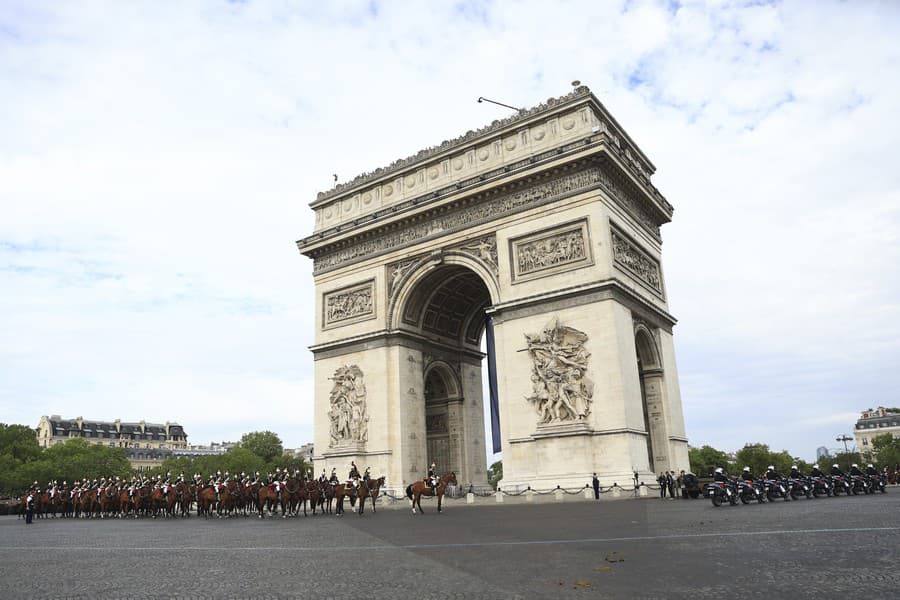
[609, 549]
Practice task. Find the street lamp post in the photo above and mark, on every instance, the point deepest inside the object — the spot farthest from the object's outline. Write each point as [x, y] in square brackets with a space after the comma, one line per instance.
[844, 438]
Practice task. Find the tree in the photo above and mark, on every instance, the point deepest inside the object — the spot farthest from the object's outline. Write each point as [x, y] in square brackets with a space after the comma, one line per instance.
[886, 450]
[705, 459]
[19, 441]
[264, 444]
[495, 473]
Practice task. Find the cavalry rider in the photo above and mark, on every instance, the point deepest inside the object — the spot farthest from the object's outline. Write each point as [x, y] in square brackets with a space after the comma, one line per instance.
[745, 475]
[354, 474]
[323, 479]
[720, 475]
[816, 472]
[854, 470]
[276, 481]
[771, 473]
[333, 480]
[366, 475]
[795, 472]
[836, 470]
[432, 478]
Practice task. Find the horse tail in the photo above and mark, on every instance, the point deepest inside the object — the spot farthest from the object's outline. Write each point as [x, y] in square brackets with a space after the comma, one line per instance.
[409, 491]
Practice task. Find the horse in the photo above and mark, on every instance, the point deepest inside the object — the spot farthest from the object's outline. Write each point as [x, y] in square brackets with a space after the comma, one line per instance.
[416, 490]
[369, 490]
[266, 498]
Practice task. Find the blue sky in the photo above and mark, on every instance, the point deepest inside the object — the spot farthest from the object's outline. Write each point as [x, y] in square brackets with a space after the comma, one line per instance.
[156, 161]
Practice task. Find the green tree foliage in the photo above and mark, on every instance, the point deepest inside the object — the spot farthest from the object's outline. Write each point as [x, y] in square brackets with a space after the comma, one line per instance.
[19, 442]
[235, 461]
[758, 457]
[495, 473]
[705, 459]
[264, 444]
[886, 450]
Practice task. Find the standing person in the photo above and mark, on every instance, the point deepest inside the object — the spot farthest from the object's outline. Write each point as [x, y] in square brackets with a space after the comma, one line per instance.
[661, 480]
[29, 508]
[670, 483]
[596, 484]
[679, 481]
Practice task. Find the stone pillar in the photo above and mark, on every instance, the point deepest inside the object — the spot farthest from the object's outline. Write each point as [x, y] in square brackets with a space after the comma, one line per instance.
[654, 385]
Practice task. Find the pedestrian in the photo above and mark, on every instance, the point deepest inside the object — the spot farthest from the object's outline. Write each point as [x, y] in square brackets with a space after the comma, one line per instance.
[682, 485]
[29, 509]
[670, 483]
[661, 480]
[596, 483]
[678, 484]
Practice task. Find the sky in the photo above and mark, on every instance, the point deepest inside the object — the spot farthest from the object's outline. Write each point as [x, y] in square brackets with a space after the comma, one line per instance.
[157, 160]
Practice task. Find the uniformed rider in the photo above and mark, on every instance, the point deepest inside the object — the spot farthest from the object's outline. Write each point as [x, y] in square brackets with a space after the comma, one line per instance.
[720, 475]
[354, 474]
[795, 472]
[432, 477]
[745, 475]
[816, 472]
[836, 470]
[854, 470]
[771, 473]
[871, 471]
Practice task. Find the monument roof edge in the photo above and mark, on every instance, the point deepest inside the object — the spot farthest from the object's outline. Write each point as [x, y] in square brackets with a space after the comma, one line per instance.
[578, 94]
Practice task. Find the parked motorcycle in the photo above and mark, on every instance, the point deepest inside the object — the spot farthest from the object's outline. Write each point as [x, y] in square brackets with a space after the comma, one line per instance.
[775, 489]
[878, 484]
[860, 483]
[821, 485]
[841, 485]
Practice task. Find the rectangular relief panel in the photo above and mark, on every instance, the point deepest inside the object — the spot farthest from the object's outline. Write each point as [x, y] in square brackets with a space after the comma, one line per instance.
[552, 250]
[348, 305]
[630, 258]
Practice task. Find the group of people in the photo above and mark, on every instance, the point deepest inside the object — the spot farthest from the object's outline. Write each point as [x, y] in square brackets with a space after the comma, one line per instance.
[772, 473]
[670, 483]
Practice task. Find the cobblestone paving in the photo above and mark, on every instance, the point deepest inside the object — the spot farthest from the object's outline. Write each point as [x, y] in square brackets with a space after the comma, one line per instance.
[627, 549]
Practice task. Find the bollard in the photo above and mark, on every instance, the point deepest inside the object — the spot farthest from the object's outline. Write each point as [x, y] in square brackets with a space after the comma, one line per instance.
[617, 492]
[470, 498]
[588, 493]
[643, 491]
[558, 494]
[529, 495]
[499, 496]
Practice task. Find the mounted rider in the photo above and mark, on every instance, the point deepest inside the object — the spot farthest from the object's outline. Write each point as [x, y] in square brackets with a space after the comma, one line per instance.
[854, 470]
[836, 470]
[871, 471]
[432, 478]
[795, 472]
[746, 475]
[354, 475]
[771, 473]
[720, 475]
[334, 478]
[816, 472]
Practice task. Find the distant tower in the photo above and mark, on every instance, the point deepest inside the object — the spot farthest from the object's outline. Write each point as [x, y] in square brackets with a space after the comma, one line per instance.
[821, 452]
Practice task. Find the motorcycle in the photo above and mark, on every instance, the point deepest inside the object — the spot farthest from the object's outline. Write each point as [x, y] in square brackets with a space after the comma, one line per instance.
[820, 485]
[747, 491]
[840, 485]
[878, 484]
[799, 487]
[860, 483]
[721, 491]
[775, 489]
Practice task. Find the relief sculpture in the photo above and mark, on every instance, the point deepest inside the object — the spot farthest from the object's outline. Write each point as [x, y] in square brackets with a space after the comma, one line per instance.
[349, 419]
[633, 259]
[550, 251]
[348, 304]
[561, 390]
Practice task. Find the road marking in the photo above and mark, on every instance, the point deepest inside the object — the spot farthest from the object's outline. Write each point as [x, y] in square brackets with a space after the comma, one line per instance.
[641, 538]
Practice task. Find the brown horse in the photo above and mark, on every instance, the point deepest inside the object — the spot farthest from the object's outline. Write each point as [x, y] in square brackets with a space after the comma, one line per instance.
[368, 488]
[418, 489]
[267, 498]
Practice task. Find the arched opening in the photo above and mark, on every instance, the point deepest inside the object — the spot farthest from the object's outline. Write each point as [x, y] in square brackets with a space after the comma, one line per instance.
[650, 376]
[442, 306]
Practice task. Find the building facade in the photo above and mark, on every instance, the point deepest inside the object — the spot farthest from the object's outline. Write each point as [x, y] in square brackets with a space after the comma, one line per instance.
[539, 235]
[147, 445]
[873, 423]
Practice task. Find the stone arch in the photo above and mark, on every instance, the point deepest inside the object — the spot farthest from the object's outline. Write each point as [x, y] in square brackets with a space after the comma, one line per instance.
[407, 284]
[652, 383]
[452, 386]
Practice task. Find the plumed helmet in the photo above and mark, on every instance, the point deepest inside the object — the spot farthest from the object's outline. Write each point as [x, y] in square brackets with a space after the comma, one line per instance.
[835, 466]
[747, 469]
[718, 469]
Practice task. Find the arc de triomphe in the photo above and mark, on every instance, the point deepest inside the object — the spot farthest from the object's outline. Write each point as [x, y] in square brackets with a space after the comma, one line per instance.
[543, 230]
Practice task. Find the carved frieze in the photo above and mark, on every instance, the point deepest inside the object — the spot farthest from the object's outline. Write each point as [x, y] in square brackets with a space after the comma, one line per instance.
[396, 271]
[349, 419]
[628, 256]
[561, 390]
[436, 423]
[349, 305]
[466, 216]
[559, 248]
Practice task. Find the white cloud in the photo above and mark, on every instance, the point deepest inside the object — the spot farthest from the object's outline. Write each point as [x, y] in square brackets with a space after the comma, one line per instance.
[156, 161]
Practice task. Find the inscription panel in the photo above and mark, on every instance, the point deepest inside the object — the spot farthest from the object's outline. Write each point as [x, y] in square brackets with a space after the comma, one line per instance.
[349, 305]
[553, 250]
[628, 256]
